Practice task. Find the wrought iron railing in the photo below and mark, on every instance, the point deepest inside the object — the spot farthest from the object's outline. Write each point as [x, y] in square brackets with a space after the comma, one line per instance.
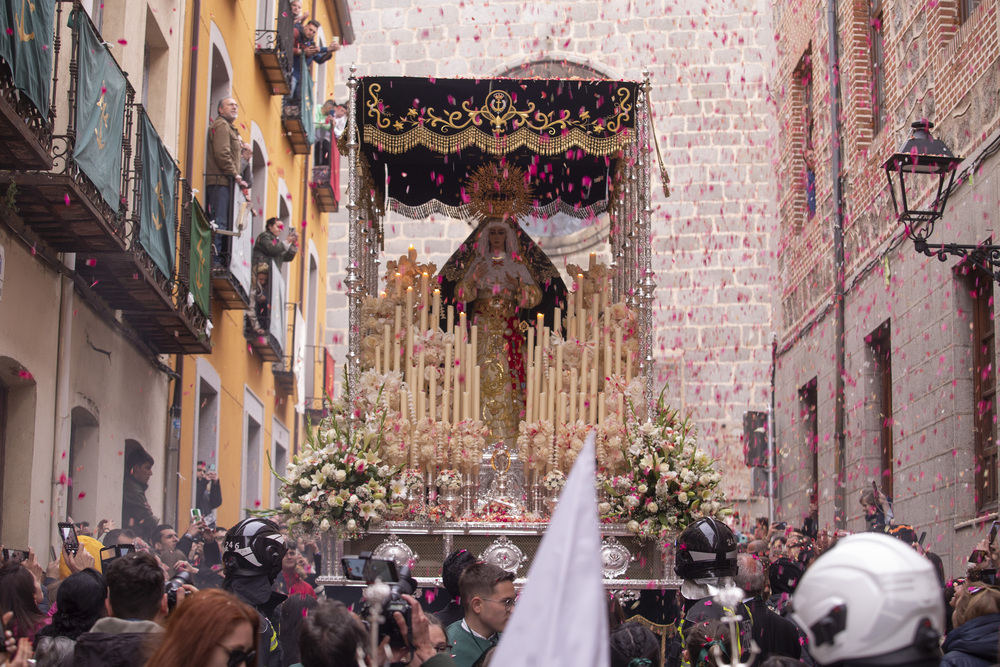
[280, 40]
[64, 144]
[39, 122]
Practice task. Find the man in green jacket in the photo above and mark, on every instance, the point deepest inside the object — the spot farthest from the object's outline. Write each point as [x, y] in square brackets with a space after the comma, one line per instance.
[269, 247]
[488, 598]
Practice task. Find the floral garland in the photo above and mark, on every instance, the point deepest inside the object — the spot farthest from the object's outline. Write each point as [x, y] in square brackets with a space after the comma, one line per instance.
[569, 442]
[534, 444]
[468, 438]
[667, 481]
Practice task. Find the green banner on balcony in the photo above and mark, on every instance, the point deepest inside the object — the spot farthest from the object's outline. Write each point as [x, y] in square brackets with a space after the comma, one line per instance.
[157, 221]
[6, 37]
[201, 259]
[306, 105]
[100, 114]
[31, 42]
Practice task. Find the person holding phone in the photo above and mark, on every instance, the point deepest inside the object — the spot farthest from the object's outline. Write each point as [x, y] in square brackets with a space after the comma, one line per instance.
[208, 493]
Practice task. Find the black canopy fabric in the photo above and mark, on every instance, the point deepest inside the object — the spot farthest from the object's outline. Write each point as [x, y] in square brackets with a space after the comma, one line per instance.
[422, 138]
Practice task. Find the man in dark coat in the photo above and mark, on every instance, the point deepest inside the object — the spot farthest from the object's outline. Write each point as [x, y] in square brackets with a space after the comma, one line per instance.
[774, 635]
[138, 607]
[136, 512]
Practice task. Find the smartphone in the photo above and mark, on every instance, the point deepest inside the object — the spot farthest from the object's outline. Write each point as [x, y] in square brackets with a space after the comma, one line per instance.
[993, 531]
[70, 541]
[369, 569]
[16, 555]
[211, 467]
[109, 554]
[195, 514]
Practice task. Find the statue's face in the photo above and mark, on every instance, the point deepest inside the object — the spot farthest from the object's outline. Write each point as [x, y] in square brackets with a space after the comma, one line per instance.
[497, 238]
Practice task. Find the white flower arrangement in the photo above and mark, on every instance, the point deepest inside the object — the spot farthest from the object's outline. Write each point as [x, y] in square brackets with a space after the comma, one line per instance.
[658, 480]
[449, 480]
[554, 480]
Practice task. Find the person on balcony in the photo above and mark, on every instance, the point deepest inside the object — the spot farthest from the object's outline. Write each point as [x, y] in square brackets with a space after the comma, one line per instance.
[269, 247]
[305, 45]
[260, 317]
[246, 168]
[224, 146]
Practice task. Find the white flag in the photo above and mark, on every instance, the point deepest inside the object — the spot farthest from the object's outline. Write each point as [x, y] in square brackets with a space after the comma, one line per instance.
[561, 618]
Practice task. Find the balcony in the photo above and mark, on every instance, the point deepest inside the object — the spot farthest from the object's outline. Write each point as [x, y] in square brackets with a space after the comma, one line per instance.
[265, 328]
[150, 280]
[297, 121]
[231, 279]
[25, 130]
[123, 212]
[323, 189]
[274, 50]
[74, 207]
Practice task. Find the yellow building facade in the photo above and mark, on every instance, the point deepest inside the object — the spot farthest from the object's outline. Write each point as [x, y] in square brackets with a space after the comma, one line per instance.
[249, 399]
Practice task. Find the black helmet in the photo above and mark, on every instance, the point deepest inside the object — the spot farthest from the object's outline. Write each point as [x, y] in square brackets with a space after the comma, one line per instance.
[253, 547]
[705, 550]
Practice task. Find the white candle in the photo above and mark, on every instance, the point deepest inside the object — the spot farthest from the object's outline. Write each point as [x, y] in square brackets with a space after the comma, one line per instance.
[395, 336]
[551, 406]
[593, 260]
[451, 318]
[475, 344]
[528, 392]
[581, 325]
[628, 367]
[607, 360]
[432, 396]
[412, 254]
[618, 350]
[386, 348]
[601, 408]
[436, 313]
[445, 397]
[424, 302]
[543, 400]
[476, 414]
[378, 359]
[572, 395]
[559, 368]
[592, 411]
[557, 321]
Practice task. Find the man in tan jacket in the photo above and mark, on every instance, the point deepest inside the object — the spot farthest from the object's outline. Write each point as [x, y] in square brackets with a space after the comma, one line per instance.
[224, 145]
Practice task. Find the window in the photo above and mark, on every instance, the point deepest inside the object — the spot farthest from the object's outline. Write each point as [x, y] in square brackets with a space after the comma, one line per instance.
[3, 439]
[810, 424]
[966, 9]
[155, 65]
[880, 401]
[804, 79]
[279, 455]
[207, 446]
[84, 448]
[877, 51]
[985, 388]
[311, 306]
[253, 453]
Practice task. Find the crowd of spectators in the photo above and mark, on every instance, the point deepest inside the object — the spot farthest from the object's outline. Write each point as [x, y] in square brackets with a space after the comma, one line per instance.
[249, 596]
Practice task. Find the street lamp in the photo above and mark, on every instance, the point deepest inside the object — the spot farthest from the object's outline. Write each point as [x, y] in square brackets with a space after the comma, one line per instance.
[924, 164]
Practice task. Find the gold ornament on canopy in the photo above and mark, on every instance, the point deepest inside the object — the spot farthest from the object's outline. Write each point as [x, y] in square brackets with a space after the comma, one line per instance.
[498, 190]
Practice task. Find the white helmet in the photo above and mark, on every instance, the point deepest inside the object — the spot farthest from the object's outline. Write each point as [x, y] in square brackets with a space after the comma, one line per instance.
[871, 600]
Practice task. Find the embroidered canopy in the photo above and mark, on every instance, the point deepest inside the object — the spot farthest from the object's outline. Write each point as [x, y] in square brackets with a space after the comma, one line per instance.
[422, 138]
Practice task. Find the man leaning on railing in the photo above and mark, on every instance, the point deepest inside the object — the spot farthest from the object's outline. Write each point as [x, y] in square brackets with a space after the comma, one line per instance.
[224, 147]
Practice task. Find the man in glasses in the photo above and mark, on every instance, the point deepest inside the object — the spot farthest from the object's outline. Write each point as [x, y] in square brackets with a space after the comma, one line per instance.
[488, 598]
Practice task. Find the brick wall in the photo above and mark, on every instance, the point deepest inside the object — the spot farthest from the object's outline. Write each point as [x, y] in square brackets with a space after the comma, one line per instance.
[713, 245]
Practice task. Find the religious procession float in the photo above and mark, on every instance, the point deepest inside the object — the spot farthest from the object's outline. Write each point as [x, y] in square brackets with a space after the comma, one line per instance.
[470, 389]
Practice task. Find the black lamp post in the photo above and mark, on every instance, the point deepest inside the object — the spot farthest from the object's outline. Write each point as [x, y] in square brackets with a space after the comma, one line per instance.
[924, 163]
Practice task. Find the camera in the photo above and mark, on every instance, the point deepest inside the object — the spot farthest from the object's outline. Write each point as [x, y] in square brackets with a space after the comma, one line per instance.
[172, 586]
[368, 569]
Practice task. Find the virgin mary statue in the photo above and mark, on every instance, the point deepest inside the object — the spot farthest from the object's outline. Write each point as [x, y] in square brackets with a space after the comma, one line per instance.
[503, 280]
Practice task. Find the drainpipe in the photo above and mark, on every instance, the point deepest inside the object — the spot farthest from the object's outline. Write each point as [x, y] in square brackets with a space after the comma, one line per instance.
[62, 417]
[839, 444]
[770, 432]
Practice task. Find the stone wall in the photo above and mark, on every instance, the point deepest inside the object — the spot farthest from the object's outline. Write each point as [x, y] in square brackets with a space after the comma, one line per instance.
[715, 119]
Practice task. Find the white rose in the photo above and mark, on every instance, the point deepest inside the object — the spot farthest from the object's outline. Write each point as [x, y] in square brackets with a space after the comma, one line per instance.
[307, 515]
[340, 475]
[633, 526]
[295, 508]
[285, 504]
[305, 482]
[324, 525]
[643, 488]
[604, 508]
[705, 479]
[632, 501]
[664, 469]
[352, 524]
[653, 508]
[353, 500]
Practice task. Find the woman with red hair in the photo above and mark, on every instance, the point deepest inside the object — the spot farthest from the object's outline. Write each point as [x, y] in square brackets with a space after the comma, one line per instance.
[210, 628]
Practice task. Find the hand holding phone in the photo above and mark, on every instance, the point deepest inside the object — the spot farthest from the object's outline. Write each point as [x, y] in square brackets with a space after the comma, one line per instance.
[70, 541]
[993, 532]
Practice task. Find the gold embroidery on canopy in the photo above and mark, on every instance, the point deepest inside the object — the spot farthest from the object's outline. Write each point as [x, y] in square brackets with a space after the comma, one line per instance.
[510, 128]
